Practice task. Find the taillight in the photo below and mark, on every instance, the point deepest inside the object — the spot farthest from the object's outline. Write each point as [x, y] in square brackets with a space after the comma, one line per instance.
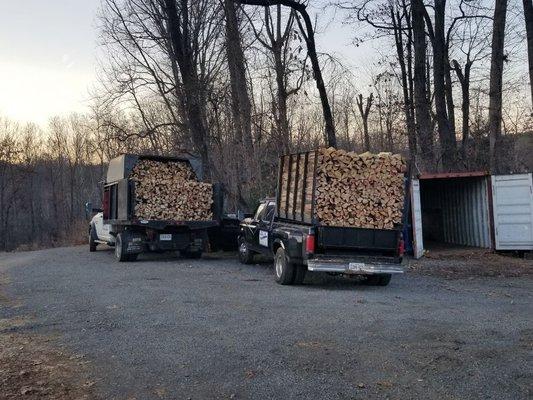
[401, 247]
[310, 243]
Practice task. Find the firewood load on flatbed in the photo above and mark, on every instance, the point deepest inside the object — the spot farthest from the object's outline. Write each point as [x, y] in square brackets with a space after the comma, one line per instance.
[169, 191]
[349, 189]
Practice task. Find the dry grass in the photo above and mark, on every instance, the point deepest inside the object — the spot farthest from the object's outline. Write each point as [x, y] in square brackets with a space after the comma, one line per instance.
[76, 235]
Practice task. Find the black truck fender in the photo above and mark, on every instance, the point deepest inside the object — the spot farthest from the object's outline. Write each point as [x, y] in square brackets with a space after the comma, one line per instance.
[292, 243]
[276, 244]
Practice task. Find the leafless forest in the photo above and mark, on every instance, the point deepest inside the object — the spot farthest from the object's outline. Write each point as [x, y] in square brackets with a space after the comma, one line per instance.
[240, 83]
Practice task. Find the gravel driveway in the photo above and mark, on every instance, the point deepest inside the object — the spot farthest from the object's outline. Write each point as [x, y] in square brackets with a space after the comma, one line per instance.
[171, 328]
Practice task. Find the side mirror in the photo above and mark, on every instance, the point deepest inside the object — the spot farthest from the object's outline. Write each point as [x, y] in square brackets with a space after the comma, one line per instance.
[88, 209]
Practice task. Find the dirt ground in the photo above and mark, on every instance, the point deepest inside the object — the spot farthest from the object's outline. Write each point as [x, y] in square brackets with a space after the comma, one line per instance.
[34, 366]
[464, 262]
[78, 325]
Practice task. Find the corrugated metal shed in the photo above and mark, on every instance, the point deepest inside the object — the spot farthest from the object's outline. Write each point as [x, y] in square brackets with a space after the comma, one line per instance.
[456, 208]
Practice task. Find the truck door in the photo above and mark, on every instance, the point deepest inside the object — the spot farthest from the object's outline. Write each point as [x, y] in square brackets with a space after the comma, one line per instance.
[512, 203]
[250, 227]
[263, 227]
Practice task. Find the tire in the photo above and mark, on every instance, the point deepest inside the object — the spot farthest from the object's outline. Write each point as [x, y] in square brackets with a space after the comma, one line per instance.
[299, 274]
[191, 254]
[92, 239]
[245, 254]
[121, 244]
[379, 280]
[283, 269]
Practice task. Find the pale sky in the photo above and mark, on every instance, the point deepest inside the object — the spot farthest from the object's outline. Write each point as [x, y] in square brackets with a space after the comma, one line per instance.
[48, 56]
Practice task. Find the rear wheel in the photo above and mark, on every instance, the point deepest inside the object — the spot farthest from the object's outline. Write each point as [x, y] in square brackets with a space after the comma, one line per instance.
[92, 239]
[283, 269]
[121, 244]
[379, 279]
[245, 254]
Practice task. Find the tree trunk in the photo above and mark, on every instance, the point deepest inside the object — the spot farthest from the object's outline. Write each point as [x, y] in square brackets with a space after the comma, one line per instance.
[282, 120]
[406, 82]
[450, 104]
[364, 110]
[528, 16]
[331, 139]
[181, 48]
[495, 89]
[241, 105]
[464, 80]
[240, 102]
[446, 136]
[421, 99]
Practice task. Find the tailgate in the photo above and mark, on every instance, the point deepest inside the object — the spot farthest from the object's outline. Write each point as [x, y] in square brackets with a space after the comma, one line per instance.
[346, 239]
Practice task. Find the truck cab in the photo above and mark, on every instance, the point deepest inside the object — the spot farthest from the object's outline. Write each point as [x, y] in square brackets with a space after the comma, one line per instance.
[99, 232]
[254, 237]
[298, 247]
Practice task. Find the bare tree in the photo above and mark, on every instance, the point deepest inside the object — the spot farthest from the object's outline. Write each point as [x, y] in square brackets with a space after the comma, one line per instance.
[440, 73]
[180, 39]
[276, 38]
[421, 97]
[393, 18]
[308, 33]
[242, 109]
[496, 74]
[471, 46]
[364, 111]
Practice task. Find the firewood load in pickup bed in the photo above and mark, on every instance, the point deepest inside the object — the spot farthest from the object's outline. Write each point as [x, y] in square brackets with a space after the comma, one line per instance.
[350, 190]
[170, 191]
[360, 190]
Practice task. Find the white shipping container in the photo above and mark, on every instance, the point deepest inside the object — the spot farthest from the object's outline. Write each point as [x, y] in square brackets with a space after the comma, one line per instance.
[513, 211]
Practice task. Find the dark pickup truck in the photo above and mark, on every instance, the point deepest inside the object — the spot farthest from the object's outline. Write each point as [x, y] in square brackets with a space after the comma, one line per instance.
[298, 243]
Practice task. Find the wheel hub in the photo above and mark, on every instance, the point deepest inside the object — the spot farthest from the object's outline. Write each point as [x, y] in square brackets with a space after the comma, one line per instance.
[279, 267]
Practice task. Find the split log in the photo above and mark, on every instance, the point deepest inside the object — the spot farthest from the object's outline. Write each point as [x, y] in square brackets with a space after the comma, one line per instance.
[170, 191]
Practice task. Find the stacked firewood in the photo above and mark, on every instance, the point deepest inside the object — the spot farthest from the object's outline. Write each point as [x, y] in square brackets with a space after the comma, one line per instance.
[170, 191]
[359, 190]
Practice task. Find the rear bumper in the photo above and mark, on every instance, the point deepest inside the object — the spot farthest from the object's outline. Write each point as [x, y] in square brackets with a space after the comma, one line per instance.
[355, 268]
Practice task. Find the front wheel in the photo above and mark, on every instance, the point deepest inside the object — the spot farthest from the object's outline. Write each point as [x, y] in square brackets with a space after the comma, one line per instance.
[283, 268]
[379, 279]
[92, 239]
[245, 254]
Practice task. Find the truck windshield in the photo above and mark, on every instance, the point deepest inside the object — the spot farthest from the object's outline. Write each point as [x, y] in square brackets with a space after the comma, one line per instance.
[269, 212]
[259, 212]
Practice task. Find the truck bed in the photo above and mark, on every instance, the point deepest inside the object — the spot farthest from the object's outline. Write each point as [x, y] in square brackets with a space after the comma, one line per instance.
[378, 241]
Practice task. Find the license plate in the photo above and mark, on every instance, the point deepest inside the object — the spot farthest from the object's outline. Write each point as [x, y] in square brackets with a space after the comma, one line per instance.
[165, 236]
[356, 266]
